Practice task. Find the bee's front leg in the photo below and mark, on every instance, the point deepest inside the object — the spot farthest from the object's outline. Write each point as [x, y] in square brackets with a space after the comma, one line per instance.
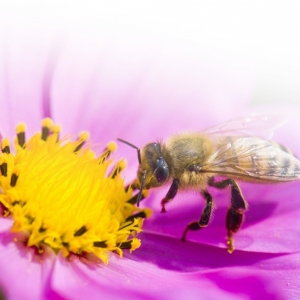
[235, 213]
[170, 194]
[135, 185]
[205, 216]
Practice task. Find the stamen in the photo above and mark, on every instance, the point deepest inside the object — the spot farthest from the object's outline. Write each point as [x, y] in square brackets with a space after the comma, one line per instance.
[46, 125]
[120, 166]
[134, 199]
[101, 244]
[18, 202]
[141, 214]
[126, 245]
[83, 137]
[55, 131]
[5, 147]
[111, 147]
[131, 245]
[60, 195]
[3, 169]
[42, 229]
[81, 231]
[13, 179]
[21, 128]
[134, 185]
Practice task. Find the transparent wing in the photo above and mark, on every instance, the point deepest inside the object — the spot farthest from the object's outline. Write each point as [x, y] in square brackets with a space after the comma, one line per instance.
[252, 158]
[260, 125]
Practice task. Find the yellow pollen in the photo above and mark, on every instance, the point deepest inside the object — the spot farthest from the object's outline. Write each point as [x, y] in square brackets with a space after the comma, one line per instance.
[60, 194]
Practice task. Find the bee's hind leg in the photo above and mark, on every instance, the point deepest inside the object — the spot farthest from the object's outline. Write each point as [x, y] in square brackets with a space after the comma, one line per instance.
[204, 219]
[235, 213]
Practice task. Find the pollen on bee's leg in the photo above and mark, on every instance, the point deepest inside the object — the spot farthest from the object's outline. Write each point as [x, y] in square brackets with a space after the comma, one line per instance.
[230, 247]
[67, 202]
[234, 220]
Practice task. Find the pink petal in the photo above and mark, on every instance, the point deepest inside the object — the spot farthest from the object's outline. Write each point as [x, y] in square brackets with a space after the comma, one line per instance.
[22, 275]
[271, 223]
[124, 278]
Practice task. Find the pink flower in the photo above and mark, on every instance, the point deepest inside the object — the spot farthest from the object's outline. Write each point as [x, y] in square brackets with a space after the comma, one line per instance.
[116, 90]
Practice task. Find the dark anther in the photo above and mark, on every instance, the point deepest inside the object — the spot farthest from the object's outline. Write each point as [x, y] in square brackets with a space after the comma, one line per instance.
[13, 179]
[133, 200]
[42, 229]
[140, 214]
[30, 219]
[80, 231]
[100, 244]
[21, 139]
[125, 245]
[45, 133]
[18, 202]
[6, 149]
[116, 172]
[105, 155]
[65, 244]
[79, 147]
[134, 185]
[3, 169]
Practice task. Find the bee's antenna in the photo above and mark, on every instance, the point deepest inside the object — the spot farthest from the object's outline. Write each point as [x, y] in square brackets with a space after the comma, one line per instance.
[141, 189]
[133, 146]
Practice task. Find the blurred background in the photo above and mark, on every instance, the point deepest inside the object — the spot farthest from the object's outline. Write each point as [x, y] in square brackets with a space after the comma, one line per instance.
[260, 38]
[246, 50]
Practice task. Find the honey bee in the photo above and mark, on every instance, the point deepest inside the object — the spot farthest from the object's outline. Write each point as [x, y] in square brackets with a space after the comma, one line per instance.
[236, 150]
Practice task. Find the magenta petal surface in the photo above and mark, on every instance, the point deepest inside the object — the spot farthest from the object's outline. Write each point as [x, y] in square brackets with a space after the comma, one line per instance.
[169, 269]
[272, 221]
[22, 274]
[127, 278]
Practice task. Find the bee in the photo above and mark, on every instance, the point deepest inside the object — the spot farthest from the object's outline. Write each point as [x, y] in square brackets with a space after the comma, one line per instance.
[240, 149]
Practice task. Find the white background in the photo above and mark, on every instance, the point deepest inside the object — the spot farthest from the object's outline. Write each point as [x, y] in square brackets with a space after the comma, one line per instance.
[260, 37]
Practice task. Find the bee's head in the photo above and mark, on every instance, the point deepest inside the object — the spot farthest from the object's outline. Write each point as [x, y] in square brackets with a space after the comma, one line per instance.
[153, 167]
[153, 170]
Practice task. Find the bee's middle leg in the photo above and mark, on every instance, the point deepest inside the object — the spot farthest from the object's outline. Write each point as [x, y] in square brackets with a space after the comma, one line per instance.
[204, 219]
[235, 213]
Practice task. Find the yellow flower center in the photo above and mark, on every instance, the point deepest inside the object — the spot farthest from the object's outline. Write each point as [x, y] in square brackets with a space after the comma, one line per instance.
[60, 194]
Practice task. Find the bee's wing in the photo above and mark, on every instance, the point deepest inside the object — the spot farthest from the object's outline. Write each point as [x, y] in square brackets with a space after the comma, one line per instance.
[261, 125]
[251, 158]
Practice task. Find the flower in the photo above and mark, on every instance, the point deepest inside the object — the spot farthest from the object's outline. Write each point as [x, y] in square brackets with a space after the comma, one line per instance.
[59, 195]
[129, 95]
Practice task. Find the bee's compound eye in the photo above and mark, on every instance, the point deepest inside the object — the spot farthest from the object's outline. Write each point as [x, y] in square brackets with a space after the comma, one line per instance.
[162, 171]
[162, 174]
